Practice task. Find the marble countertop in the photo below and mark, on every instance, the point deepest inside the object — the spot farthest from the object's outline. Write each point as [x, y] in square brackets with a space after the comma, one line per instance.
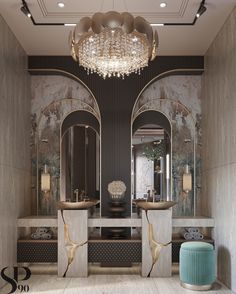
[135, 221]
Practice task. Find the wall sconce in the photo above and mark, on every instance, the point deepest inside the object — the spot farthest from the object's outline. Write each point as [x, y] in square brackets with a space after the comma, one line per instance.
[45, 180]
[187, 179]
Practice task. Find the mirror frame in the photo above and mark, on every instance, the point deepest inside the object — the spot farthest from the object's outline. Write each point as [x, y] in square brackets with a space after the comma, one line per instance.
[62, 182]
[148, 106]
[169, 198]
[62, 197]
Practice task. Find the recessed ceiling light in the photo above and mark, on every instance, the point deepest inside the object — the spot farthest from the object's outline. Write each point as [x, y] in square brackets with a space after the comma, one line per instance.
[163, 4]
[60, 4]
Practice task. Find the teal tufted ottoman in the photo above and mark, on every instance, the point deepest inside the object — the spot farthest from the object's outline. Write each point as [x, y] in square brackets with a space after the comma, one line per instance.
[197, 265]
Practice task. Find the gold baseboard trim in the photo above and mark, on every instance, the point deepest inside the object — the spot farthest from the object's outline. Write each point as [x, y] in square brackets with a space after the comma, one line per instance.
[196, 287]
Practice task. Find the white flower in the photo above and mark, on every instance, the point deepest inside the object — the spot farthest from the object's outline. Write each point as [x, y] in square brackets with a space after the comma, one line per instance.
[117, 188]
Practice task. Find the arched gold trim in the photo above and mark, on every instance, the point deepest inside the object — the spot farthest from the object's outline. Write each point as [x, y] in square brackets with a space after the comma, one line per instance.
[59, 101]
[71, 75]
[163, 75]
[160, 99]
[67, 99]
[80, 125]
[100, 153]
[171, 129]
[133, 116]
[152, 109]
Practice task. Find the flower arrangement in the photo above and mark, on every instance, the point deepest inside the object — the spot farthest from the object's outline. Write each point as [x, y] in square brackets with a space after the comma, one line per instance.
[117, 189]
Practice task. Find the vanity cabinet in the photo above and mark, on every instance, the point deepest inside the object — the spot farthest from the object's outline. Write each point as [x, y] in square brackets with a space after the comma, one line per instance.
[73, 243]
[100, 250]
[36, 251]
[205, 224]
[73, 255]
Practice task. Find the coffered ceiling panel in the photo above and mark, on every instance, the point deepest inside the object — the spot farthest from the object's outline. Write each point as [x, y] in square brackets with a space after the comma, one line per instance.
[178, 11]
[174, 40]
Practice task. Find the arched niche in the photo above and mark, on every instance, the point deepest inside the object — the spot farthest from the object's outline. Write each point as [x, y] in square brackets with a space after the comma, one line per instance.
[151, 157]
[80, 157]
[164, 96]
[57, 97]
[151, 117]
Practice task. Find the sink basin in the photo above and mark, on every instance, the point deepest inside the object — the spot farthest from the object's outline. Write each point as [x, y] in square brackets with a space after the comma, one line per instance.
[155, 205]
[77, 205]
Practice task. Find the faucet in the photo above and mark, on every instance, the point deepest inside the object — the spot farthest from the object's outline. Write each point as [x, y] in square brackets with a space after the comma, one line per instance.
[76, 192]
[81, 195]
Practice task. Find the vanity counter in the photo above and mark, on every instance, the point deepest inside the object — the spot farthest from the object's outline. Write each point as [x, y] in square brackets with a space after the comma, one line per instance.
[135, 221]
[192, 221]
[34, 221]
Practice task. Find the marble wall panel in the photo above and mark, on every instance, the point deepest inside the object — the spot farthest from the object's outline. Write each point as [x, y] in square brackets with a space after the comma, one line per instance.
[174, 95]
[179, 98]
[184, 89]
[53, 98]
[15, 172]
[219, 147]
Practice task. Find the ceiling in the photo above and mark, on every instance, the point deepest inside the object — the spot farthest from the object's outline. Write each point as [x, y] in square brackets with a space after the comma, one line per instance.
[147, 134]
[174, 40]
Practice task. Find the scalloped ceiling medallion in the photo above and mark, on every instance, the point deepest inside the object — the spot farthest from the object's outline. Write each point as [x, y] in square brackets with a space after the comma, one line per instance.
[113, 44]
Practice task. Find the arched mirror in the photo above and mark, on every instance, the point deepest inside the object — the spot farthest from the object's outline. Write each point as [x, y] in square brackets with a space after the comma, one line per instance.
[151, 157]
[80, 157]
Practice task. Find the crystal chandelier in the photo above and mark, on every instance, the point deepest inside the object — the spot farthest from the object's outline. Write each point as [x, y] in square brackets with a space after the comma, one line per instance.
[113, 44]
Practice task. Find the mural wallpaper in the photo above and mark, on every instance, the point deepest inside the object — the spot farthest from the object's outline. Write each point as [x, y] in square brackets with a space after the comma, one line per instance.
[179, 98]
[54, 97]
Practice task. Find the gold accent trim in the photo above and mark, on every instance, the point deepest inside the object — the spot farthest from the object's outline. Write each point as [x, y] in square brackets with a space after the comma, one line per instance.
[62, 195]
[69, 74]
[71, 247]
[135, 114]
[92, 110]
[171, 145]
[163, 75]
[154, 245]
[139, 111]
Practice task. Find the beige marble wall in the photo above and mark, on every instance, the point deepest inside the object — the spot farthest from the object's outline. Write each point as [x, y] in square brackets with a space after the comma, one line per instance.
[14, 142]
[219, 146]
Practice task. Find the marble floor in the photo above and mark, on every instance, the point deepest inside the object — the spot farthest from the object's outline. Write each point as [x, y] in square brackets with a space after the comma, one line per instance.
[110, 284]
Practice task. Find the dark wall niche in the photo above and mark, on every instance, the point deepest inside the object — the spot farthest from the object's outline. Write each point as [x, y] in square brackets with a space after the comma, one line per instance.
[80, 118]
[152, 117]
[80, 133]
[116, 98]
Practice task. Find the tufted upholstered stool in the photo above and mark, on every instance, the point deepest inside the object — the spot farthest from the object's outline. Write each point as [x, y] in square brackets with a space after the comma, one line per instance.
[197, 265]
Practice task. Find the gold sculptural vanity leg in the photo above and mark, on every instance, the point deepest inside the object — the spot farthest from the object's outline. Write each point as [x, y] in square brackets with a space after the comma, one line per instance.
[154, 245]
[71, 247]
[72, 225]
[156, 255]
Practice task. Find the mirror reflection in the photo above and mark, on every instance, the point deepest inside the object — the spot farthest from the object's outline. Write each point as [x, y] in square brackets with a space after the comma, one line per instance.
[151, 149]
[80, 160]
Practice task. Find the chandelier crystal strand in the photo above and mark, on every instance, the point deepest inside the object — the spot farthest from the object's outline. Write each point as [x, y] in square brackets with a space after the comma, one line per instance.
[120, 46]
